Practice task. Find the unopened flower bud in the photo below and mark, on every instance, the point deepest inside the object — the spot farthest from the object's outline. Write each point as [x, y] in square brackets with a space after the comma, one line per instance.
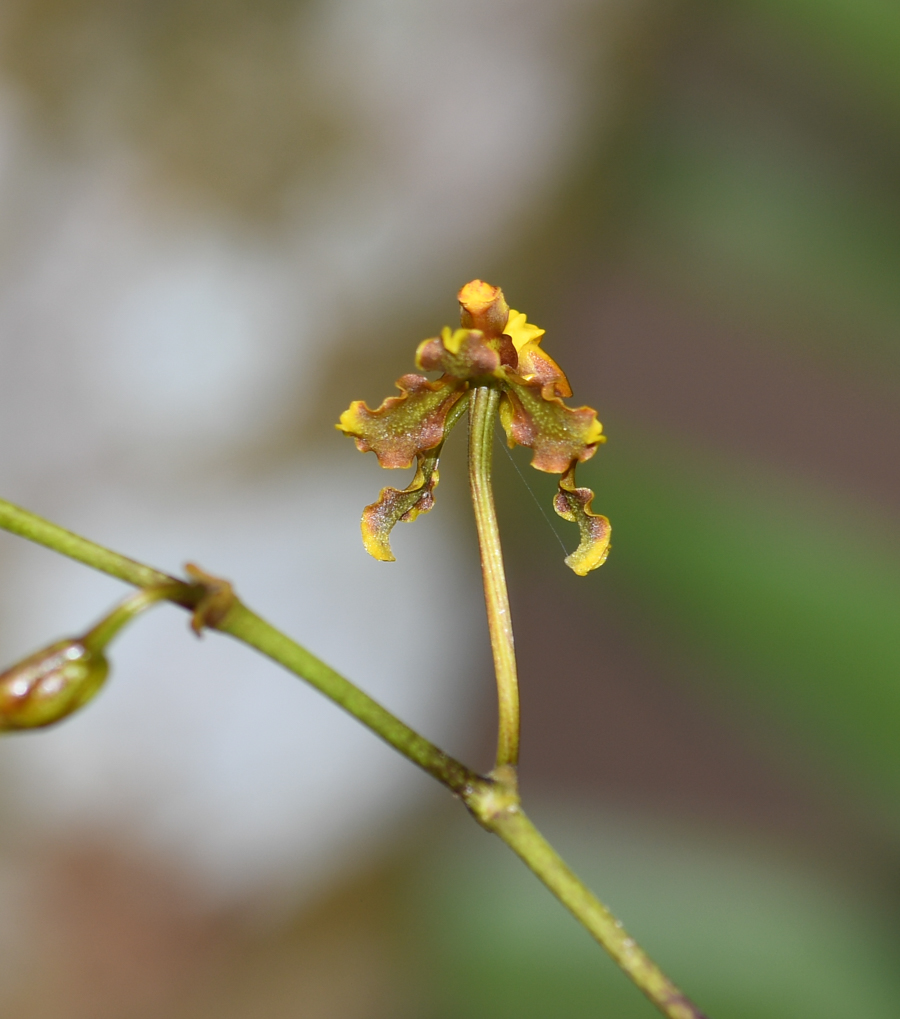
[50, 684]
[53, 683]
[483, 307]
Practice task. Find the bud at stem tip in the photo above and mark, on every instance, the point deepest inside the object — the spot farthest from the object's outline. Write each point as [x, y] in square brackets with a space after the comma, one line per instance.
[483, 307]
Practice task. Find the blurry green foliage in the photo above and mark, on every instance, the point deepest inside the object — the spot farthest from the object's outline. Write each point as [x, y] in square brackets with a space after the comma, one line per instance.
[763, 225]
[750, 935]
[858, 40]
[794, 597]
[777, 230]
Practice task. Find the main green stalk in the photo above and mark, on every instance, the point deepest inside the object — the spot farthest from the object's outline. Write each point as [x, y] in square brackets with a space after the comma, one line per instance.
[244, 625]
[496, 804]
[497, 808]
[526, 841]
[483, 406]
[492, 800]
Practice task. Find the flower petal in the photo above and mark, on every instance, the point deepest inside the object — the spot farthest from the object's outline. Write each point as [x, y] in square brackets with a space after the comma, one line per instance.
[394, 505]
[539, 367]
[533, 365]
[535, 417]
[521, 331]
[463, 354]
[405, 425]
[483, 307]
[574, 504]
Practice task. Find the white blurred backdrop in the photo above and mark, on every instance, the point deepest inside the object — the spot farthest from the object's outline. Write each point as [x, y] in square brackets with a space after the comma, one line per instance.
[156, 335]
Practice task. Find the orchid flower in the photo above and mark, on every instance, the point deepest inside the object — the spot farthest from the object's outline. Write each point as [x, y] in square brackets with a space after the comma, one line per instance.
[498, 347]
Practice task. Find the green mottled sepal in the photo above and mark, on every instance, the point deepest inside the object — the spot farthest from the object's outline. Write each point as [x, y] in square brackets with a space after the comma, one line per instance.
[396, 506]
[533, 416]
[404, 425]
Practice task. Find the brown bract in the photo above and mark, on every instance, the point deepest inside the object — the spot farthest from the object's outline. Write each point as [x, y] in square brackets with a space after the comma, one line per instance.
[215, 602]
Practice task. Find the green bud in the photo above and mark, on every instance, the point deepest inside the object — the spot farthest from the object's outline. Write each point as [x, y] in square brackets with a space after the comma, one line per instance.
[50, 684]
[55, 682]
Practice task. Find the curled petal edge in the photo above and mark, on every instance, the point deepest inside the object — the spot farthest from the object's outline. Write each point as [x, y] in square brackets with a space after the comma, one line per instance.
[521, 331]
[574, 504]
[396, 506]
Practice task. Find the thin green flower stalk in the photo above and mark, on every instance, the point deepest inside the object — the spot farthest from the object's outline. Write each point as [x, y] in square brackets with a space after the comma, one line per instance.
[201, 595]
[53, 683]
[483, 406]
[495, 364]
[492, 365]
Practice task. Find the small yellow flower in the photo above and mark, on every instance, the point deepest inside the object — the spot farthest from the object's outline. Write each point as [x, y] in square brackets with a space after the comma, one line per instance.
[499, 347]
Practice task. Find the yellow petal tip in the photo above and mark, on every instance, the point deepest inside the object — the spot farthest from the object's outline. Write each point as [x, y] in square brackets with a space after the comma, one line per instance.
[521, 331]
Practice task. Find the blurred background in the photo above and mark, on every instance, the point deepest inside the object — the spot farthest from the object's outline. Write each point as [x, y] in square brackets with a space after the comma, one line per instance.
[220, 222]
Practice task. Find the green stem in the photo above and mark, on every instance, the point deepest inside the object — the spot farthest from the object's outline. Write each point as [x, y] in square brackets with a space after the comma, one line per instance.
[482, 414]
[244, 625]
[497, 808]
[99, 636]
[29, 525]
[493, 800]
[249, 628]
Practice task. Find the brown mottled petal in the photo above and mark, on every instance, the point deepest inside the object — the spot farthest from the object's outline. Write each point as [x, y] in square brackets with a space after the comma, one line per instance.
[574, 504]
[394, 506]
[464, 354]
[405, 425]
[537, 366]
[559, 435]
[509, 356]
